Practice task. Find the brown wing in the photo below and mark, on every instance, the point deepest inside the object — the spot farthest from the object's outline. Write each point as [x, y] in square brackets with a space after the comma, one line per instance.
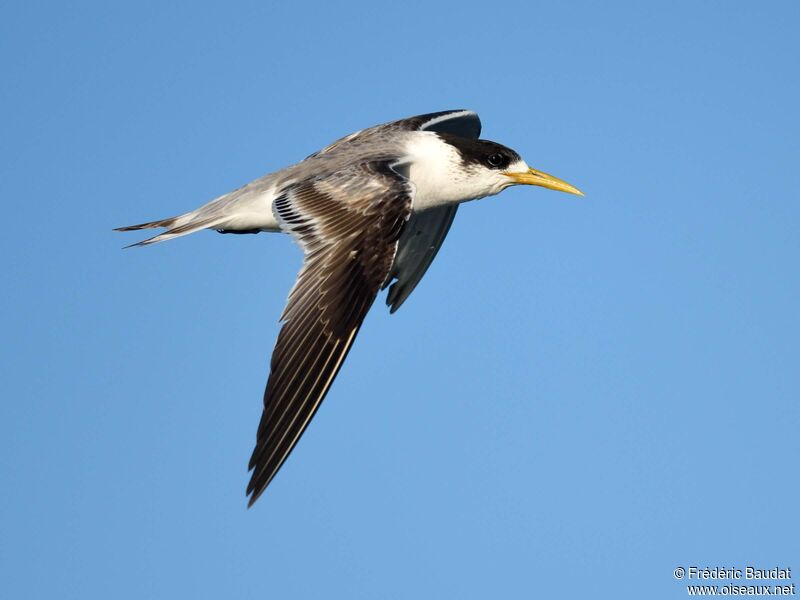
[348, 226]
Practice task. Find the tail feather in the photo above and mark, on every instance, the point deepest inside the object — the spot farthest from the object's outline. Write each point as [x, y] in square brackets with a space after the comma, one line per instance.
[151, 225]
[177, 231]
[240, 210]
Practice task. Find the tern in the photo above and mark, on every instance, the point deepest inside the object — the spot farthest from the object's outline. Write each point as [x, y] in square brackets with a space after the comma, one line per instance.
[369, 211]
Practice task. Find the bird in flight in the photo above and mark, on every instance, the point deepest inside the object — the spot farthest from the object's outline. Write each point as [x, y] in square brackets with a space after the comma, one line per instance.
[369, 211]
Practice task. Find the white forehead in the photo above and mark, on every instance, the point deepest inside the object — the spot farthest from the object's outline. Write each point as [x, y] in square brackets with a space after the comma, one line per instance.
[519, 166]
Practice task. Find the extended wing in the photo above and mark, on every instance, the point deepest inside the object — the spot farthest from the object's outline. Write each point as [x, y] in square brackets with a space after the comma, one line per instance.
[348, 225]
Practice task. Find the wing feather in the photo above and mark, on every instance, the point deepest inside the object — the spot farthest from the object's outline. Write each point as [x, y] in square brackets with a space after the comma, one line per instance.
[349, 233]
[419, 244]
[461, 122]
[425, 232]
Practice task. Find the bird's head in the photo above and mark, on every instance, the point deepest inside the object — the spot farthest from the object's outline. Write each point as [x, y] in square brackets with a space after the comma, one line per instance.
[485, 168]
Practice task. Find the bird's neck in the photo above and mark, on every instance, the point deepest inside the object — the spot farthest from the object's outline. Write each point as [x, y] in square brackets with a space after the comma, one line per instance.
[436, 170]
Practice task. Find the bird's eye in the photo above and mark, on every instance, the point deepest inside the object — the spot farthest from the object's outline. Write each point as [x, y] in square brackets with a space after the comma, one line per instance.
[497, 160]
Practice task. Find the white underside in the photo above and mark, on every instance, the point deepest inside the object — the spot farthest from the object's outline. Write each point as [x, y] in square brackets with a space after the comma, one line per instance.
[251, 212]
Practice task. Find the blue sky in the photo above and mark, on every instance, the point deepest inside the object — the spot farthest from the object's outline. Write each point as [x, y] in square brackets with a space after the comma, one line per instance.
[583, 393]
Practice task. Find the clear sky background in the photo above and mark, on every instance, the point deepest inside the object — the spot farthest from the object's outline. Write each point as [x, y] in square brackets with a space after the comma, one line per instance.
[582, 394]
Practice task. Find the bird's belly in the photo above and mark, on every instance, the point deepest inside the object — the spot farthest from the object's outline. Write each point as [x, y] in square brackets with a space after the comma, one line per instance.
[252, 221]
[253, 213]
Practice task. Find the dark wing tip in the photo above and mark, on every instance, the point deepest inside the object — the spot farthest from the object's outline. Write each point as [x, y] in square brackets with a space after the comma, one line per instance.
[463, 123]
[252, 494]
[257, 484]
[394, 299]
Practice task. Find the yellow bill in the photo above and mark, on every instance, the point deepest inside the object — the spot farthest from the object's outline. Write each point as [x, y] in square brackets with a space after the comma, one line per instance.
[542, 179]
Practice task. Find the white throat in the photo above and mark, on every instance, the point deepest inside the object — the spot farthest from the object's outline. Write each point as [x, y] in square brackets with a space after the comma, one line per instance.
[436, 170]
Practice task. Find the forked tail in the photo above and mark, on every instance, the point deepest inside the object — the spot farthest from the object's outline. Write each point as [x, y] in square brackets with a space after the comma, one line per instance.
[208, 216]
[245, 210]
[175, 227]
